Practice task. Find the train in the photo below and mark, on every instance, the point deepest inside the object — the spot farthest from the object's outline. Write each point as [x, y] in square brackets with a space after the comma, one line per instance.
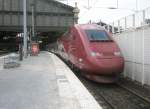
[92, 50]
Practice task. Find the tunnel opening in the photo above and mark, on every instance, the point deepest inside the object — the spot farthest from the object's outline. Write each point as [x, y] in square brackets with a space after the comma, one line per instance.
[46, 38]
[9, 41]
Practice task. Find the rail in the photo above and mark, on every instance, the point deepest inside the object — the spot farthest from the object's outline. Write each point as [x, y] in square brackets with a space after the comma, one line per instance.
[135, 93]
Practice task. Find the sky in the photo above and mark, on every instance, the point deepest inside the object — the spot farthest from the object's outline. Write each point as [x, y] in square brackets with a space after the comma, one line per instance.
[99, 9]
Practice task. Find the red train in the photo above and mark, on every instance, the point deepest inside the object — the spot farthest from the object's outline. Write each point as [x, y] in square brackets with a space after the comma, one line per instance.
[91, 49]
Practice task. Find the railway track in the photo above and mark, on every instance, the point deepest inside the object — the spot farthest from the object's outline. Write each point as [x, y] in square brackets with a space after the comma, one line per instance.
[116, 96]
[134, 92]
[2, 53]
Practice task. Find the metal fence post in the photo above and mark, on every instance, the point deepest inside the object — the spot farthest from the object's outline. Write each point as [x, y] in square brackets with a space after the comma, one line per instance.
[125, 19]
[143, 17]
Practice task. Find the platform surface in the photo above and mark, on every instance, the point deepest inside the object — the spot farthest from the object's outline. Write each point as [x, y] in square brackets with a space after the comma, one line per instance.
[43, 82]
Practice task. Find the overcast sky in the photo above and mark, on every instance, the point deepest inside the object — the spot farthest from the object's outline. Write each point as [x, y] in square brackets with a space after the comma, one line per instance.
[99, 9]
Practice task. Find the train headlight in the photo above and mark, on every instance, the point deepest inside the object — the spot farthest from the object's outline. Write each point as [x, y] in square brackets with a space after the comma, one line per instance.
[96, 54]
[117, 53]
[80, 59]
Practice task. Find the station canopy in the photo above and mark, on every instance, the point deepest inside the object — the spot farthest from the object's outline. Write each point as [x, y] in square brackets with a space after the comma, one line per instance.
[49, 15]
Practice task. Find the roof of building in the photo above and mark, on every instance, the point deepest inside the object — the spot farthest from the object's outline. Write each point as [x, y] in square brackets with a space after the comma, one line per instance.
[61, 4]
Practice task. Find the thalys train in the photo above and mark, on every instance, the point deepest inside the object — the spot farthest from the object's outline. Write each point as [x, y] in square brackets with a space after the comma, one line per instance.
[92, 50]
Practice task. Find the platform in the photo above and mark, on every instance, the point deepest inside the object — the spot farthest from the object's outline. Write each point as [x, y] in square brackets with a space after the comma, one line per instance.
[43, 82]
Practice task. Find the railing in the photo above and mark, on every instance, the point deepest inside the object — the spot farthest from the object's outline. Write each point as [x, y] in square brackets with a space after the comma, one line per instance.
[134, 21]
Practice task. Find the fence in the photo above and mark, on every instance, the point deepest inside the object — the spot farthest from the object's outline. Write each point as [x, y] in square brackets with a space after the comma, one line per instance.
[132, 34]
[137, 20]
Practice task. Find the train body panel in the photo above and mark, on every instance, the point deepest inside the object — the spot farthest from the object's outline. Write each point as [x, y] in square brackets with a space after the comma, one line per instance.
[92, 50]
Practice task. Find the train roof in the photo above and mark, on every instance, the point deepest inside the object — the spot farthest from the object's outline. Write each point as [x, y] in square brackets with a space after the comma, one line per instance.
[89, 26]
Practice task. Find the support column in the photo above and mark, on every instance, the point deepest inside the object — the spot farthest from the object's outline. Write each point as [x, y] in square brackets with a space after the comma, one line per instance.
[25, 27]
[33, 21]
[3, 13]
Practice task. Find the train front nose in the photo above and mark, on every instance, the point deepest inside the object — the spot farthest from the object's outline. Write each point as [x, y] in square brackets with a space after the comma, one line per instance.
[104, 70]
[106, 66]
[106, 58]
[111, 66]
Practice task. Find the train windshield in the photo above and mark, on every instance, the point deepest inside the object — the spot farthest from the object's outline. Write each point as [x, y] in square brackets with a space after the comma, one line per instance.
[97, 35]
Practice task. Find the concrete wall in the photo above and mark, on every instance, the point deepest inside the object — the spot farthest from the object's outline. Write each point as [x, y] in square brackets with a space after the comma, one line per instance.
[135, 47]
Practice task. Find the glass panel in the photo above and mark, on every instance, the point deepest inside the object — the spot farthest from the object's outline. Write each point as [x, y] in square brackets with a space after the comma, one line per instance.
[147, 16]
[97, 35]
[116, 30]
[139, 19]
[130, 22]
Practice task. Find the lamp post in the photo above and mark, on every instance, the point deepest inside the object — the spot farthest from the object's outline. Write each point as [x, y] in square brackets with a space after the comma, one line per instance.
[25, 28]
